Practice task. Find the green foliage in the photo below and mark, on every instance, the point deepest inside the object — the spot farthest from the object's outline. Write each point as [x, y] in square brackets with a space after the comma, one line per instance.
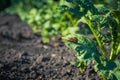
[98, 18]
[115, 31]
[44, 17]
[86, 50]
[81, 9]
[108, 69]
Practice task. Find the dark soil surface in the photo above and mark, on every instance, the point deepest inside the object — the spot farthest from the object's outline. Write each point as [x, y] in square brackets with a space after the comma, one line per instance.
[23, 55]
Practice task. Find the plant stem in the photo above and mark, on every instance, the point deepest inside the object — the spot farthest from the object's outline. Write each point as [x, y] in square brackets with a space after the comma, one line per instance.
[97, 38]
[116, 43]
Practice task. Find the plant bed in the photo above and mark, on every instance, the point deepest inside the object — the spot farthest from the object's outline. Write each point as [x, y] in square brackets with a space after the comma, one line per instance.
[28, 58]
[37, 57]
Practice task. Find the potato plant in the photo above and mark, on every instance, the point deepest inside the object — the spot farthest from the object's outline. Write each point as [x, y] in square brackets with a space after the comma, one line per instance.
[99, 18]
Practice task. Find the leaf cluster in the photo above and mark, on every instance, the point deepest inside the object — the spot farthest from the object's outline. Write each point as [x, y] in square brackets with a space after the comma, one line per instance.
[104, 23]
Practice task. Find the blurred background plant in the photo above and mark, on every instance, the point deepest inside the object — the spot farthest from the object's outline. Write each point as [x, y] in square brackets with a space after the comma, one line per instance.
[44, 17]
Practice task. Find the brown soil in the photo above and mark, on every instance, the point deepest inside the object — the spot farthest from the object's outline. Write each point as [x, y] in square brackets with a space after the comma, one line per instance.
[23, 55]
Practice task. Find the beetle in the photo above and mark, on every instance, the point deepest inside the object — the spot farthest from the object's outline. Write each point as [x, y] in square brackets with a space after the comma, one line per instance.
[72, 39]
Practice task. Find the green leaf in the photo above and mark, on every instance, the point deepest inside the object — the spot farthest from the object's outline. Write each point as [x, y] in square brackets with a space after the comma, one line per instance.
[108, 69]
[117, 75]
[85, 48]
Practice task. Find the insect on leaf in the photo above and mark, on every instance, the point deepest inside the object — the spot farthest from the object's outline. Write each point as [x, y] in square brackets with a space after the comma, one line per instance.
[85, 48]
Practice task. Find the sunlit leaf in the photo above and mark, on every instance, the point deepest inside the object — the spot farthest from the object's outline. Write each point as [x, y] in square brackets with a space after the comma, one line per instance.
[85, 48]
